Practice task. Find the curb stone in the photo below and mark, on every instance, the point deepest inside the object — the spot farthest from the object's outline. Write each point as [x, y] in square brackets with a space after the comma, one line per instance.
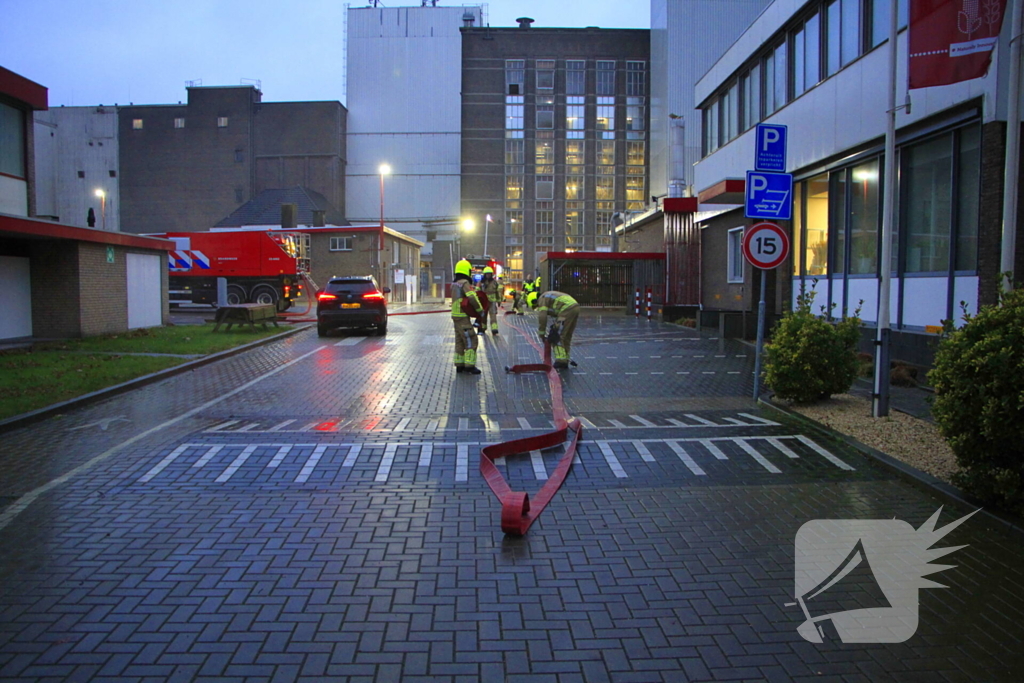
[17, 421]
[921, 480]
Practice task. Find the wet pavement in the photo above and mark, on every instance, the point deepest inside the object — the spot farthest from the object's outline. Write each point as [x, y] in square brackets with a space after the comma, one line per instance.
[313, 510]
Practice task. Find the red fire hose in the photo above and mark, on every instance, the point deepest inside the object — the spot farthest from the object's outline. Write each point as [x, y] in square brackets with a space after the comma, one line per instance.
[517, 511]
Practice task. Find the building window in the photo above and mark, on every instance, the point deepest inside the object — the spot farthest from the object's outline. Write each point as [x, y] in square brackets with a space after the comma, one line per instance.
[806, 55]
[545, 187]
[636, 79]
[136, 124]
[514, 222]
[544, 157]
[514, 187]
[574, 152]
[81, 174]
[606, 152]
[515, 76]
[603, 222]
[734, 265]
[545, 220]
[574, 222]
[575, 77]
[812, 216]
[112, 174]
[604, 188]
[606, 114]
[545, 116]
[575, 116]
[341, 243]
[239, 156]
[968, 197]
[780, 76]
[605, 77]
[545, 74]
[635, 113]
[635, 154]
[711, 139]
[750, 87]
[636, 196]
[222, 122]
[514, 113]
[179, 122]
[12, 141]
[574, 187]
[514, 152]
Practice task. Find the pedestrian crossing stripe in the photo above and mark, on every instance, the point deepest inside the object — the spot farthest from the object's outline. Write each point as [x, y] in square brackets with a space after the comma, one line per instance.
[487, 424]
[310, 456]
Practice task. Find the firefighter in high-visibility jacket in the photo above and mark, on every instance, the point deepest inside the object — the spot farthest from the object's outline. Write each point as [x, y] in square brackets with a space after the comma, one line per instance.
[465, 334]
[494, 291]
[531, 299]
[566, 311]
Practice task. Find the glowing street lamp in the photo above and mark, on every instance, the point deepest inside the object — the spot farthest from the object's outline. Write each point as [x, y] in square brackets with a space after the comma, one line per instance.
[487, 225]
[384, 170]
[103, 207]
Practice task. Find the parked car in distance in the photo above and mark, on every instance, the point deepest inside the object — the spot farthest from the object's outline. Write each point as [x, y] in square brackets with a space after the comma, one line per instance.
[352, 302]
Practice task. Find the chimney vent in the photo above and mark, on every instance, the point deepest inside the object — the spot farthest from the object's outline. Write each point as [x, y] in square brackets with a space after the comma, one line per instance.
[468, 19]
[524, 22]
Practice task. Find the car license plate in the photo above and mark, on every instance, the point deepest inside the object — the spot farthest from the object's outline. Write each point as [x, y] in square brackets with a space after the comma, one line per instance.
[350, 305]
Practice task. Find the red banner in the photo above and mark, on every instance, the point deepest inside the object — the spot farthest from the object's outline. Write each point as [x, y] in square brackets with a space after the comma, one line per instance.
[952, 40]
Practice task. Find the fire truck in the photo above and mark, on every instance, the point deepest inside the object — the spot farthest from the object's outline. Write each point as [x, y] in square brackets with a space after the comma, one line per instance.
[261, 266]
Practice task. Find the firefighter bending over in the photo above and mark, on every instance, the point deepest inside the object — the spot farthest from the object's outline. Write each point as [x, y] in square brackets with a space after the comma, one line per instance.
[494, 291]
[465, 334]
[566, 311]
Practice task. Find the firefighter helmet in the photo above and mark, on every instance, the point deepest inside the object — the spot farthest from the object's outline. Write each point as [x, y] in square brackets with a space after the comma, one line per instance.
[464, 267]
[488, 269]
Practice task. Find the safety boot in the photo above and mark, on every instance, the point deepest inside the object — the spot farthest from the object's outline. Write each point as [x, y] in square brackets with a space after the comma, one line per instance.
[472, 370]
[559, 364]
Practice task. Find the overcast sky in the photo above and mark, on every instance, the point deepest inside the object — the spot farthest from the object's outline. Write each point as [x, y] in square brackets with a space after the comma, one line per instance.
[90, 52]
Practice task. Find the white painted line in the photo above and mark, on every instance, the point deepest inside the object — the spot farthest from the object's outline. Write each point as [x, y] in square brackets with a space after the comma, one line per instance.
[646, 423]
[248, 427]
[642, 449]
[222, 425]
[403, 423]
[537, 460]
[587, 423]
[353, 453]
[733, 420]
[280, 425]
[759, 419]
[208, 456]
[719, 355]
[698, 356]
[279, 457]
[350, 341]
[159, 467]
[713, 449]
[386, 462]
[685, 457]
[678, 423]
[523, 422]
[462, 461]
[683, 372]
[708, 372]
[463, 424]
[19, 506]
[761, 460]
[307, 469]
[613, 462]
[604, 373]
[433, 425]
[823, 453]
[236, 463]
[783, 448]
[657, 373]
[741, 355]
[309, 426]
[733, 372]
[632, 373]
[426, 453]
[634, 356]
[616, 423]
[700, 419]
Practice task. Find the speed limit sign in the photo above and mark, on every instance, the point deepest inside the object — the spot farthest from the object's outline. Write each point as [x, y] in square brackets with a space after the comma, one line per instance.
[765, 245]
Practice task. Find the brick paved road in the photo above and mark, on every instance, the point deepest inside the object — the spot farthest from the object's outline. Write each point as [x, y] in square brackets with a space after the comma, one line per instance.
[313, 510]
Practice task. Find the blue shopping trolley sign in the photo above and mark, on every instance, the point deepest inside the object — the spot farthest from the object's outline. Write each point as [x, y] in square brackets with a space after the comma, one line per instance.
[769, 195]
[770, 154]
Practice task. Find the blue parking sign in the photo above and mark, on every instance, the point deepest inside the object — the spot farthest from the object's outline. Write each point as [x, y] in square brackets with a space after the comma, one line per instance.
[770, 151]
[769, 195]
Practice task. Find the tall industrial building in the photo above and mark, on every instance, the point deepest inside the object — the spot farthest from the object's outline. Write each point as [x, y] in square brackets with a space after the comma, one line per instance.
[555, 146]
[687, 38]
[404, 78]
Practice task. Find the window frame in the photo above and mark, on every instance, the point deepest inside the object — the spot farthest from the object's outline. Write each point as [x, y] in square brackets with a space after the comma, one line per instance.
[734, 257]
[337, 240]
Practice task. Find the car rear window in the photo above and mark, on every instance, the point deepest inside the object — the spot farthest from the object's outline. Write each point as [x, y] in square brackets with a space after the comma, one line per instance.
[350, 287]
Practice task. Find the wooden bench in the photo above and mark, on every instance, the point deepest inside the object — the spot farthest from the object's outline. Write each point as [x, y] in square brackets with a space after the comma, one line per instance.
[242, 314]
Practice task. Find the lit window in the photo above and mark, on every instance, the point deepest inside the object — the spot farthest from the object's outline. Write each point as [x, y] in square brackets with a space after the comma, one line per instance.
[222, 122]
[179, 122]
[136, 124]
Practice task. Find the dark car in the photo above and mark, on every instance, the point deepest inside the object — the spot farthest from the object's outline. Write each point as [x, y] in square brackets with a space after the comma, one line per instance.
[352, 302]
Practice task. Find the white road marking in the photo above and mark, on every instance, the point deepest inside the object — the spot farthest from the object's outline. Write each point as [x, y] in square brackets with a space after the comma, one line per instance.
[537, 460]
[823, 453]
[713, 449]
[403, 423]
[236, 463]
[783, 448]
[248, 427]
[523, 422]
[280, 425]
[587, 423]
[616, 423]
[613, 461]
[350, 341]
[685, 457]
[426, 453]
[646, 423]
[353, 453]
[384, 469]
[223, 425]
[311, 463]
[159, 467]
[759, 419]
[733, 420]
[645, 453]
[463, 424]
[761, 460]
[683, 372]
[208, 456]
[462, 462]
[279, 457]
[432, 425]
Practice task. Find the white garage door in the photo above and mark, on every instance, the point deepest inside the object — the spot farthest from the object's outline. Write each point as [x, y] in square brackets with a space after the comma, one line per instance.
[15, 298]
[144, 302]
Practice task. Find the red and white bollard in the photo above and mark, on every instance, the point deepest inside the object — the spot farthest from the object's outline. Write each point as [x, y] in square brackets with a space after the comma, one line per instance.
[649, 300]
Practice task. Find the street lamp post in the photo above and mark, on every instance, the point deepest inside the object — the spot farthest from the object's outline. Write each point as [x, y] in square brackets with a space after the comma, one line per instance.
[384, 170]
[468, 225]
[103, 207]
[487, 225]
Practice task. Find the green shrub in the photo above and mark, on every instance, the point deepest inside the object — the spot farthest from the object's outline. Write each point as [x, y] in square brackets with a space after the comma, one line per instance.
[979, 401]
[810, 358]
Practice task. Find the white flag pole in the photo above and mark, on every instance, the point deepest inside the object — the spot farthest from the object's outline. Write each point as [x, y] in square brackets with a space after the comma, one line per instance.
[880, 395]
[1010, 177]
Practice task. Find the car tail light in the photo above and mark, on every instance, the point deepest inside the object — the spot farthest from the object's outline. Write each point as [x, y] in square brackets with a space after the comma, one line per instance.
[374, 296]
[287, 291]
[326, 297]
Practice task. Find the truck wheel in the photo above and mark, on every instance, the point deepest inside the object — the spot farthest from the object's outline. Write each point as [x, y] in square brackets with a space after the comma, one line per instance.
[236, 295]
[264, 294]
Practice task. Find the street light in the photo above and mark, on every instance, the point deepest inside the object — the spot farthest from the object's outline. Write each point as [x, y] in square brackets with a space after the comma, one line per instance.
[487, 225]
[384, 170]
[103, 207]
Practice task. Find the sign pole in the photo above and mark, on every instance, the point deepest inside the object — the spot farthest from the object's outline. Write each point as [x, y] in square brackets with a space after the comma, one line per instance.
[760, 338]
